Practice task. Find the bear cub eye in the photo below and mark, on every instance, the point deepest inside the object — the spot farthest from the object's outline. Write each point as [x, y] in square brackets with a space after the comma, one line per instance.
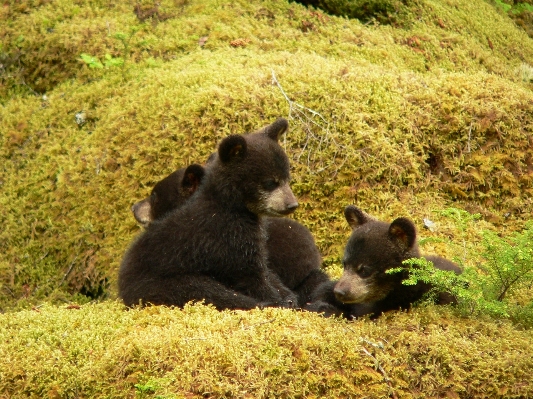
[364, 271]
[271, 184]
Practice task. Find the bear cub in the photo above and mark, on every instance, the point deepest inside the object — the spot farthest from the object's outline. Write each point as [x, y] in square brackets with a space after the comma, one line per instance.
[373, 248]
[291, 250]
[168, 194]
[212, 248]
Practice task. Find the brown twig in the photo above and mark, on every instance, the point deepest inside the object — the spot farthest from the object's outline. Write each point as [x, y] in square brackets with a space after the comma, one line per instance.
[68, 271]
[314, 144]
[382, 371]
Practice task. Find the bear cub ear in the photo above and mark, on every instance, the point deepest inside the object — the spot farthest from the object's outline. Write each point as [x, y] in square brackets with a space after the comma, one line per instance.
[232, 147]
[192, 178]
[276, 129]
[142, 211]
[403, 232]
[355, 216]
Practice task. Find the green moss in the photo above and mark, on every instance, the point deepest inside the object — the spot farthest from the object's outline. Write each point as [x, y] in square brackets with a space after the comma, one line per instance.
[104, 350]
[402, 119]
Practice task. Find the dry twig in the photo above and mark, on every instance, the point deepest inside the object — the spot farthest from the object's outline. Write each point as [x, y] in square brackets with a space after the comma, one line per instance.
[318, 136]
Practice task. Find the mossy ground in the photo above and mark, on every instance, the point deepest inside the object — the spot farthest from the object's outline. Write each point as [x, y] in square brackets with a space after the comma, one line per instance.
[405, 119]
[103, 350]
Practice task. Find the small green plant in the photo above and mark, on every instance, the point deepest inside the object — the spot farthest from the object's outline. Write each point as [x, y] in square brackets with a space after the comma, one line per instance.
[109, 61]
[466, 288]
[113, 61]
[421, 269]
[125, 39]
[508, 263]
[92, 61]
[147, 388]
[519, 8]
[462, 220]
[515, 8]
[504, 6]
[501, 272]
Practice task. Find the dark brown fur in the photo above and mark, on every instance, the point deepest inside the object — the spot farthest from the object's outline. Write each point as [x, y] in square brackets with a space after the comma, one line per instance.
[291, 250]
[213, 247]
[168, 194]
[373, 248]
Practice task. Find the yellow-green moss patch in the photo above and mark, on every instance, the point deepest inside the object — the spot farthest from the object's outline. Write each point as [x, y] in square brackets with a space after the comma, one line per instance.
[104, 350]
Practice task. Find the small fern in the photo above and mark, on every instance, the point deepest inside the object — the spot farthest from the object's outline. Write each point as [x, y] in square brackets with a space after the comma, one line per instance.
[490, 282]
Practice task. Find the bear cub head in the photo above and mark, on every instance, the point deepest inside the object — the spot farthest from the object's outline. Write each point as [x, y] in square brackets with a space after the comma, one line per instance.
[373, 248]
[256, 171]
[168, 194]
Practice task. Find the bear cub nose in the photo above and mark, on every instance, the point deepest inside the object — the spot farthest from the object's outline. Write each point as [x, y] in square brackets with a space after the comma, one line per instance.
[339, 292]
[292, 207]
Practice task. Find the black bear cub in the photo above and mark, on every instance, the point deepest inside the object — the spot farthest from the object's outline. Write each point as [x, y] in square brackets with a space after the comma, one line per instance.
[373, 248]
[294, 257]
[168, 194]
[291, 250]
[212, 248]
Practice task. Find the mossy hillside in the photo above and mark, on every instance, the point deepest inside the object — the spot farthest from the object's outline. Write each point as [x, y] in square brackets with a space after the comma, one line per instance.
[391, 136]
[84, 179]
[42, 40]
[101, 350]
[412, 118]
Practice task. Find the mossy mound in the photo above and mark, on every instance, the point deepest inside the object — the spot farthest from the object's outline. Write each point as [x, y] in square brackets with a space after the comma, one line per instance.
[105, 351]
[434, 110]
[401, 121]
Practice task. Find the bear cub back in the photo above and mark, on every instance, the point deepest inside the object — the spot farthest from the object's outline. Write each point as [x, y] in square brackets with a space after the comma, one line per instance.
[168, 194]
[291, 250]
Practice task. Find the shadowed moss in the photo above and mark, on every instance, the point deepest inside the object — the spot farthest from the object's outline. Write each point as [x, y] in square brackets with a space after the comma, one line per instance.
[389, 12]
